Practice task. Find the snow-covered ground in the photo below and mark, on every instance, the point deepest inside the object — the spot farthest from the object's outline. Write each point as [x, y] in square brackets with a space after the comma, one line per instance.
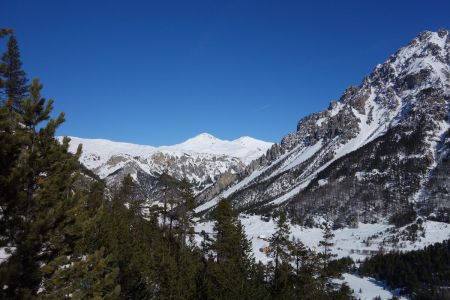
[365, 288]
[358, 243]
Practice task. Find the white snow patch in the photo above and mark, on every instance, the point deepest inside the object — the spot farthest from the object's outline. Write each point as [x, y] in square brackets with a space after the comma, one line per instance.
[366, 288]
[320, 121]
[322, 182]
[335, 109]
[5, 253]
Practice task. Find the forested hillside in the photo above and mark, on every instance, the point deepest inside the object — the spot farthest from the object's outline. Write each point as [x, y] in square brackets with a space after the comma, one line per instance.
[423, 274]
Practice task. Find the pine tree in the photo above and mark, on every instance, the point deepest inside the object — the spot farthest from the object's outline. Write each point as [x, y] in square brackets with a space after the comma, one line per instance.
[325, 257]
[9, 151]
[280, 244]
[185, 211]
[13, 77]
[40, 183]
[82, 268]
[280, 250]
[92, 276]
[326, 244]
[170, 197]
[3, 32]
[300, 254]
[229, 273]
[10, 148]
[307, 269]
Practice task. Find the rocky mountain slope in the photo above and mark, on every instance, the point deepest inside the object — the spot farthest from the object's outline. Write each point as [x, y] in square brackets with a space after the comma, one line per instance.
[200, 159]
[380, 151]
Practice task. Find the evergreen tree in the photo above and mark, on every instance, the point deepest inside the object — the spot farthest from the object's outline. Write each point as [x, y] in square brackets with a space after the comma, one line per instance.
[307, 269]
[185, 214]
[170, 198]
[325, 257]
[82, 269]
[10, 148]
[326, 243]
[421, 274]
[229, 273]
[280, 250]
[280, 244]
[14, 78]
[3, 32]
[40, 182]
[299, 254]
[92, 276]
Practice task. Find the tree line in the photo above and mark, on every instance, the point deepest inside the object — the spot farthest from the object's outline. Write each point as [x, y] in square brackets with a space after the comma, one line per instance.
[422, 274]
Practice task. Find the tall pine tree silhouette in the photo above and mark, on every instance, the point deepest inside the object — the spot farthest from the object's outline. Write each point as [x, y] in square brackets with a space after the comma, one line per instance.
[280, 251]
[14, 80]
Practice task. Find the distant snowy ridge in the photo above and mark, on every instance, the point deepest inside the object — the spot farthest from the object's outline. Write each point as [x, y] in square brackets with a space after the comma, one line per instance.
[245, 148]
[200, 159]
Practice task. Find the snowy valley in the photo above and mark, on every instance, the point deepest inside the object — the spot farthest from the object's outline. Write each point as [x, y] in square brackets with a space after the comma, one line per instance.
[370, 165]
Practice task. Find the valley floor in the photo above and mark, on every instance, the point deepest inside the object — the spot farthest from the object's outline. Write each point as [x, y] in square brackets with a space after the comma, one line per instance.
[358, 243]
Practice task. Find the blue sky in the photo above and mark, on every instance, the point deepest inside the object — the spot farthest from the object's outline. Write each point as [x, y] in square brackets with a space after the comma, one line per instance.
[159, 72]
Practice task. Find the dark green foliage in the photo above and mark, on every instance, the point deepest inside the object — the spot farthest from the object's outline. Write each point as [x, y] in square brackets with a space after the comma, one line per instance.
[3, 32]
[280, 250]
[339, 266]
[228, 272]
[327, 243]
[41, 174]
[300, 272]
[425, 274]
[404, 217]
[14, 80]
[280, 243]
[184, 213]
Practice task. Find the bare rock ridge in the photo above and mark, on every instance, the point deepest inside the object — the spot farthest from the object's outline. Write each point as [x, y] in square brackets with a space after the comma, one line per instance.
[381, 150]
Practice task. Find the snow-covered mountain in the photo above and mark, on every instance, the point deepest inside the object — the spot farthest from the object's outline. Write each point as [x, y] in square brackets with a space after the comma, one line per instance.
[200, 159]
[382, 149]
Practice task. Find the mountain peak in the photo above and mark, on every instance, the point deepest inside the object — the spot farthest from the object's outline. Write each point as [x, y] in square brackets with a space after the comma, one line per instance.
[245, 138]
[408, 93]
[245, 148]
[204, 136]
[429, 51]
[202, 140]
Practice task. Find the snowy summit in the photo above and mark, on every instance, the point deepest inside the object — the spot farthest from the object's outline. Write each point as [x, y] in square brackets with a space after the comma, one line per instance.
[201, 159]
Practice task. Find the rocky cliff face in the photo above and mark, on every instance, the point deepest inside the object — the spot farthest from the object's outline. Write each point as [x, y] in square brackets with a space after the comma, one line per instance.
[201, 160]
[380, 149]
